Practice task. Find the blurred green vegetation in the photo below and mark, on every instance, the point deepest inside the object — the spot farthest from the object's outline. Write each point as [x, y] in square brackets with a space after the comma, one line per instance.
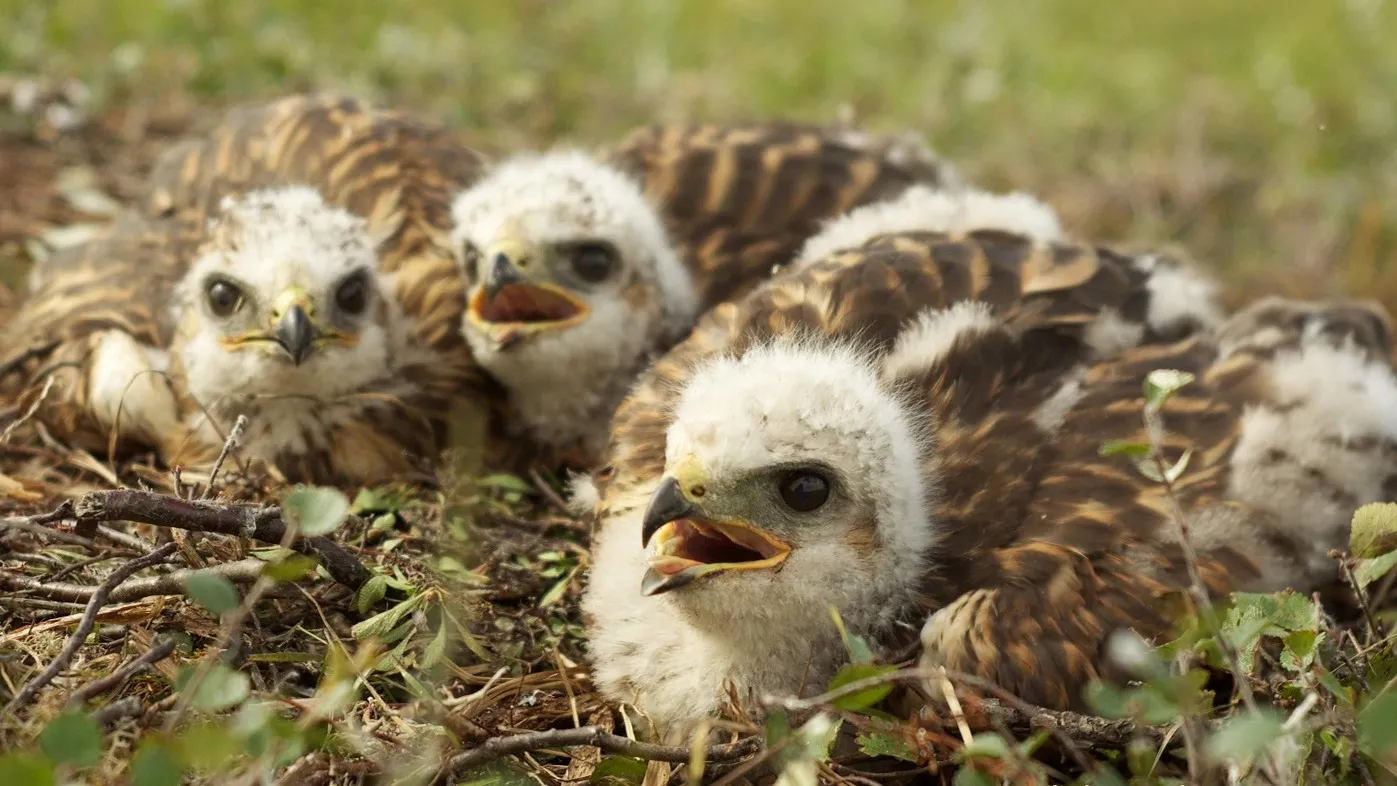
[1257, 133]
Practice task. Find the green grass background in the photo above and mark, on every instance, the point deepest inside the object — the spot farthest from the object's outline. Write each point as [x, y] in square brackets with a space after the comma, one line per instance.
[1259, 134]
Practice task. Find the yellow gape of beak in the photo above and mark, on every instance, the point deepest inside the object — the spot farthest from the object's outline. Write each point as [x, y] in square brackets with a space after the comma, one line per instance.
[292, 323]
[686, 543]
[514, 299]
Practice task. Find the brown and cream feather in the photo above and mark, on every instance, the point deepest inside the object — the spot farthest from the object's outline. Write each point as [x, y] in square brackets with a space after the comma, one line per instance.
[1038, 546]
[393, 170]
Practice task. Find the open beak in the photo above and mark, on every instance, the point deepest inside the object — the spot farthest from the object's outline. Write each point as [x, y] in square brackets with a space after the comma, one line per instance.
[502, 273]
[511, 304]
[686, 544]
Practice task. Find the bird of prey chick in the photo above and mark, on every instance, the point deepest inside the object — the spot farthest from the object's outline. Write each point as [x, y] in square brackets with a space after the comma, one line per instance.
[290, 266]
[908, 431]
[582, 267]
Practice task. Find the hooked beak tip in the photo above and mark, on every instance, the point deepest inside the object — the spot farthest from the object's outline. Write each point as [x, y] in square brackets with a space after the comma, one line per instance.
[668, 504]
[502, 273]
[296, 334]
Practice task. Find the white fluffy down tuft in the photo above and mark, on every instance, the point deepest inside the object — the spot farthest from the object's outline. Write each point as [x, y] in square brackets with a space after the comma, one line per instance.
[790, 401]
[927, 209]
[564, 384]
[269, 240]
[1180, 294]
[563, 195]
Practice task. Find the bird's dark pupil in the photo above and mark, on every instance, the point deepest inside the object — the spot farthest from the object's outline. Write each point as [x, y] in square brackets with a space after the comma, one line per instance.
[804, 491]
[223, 296]
[351, 295]
[593, 264]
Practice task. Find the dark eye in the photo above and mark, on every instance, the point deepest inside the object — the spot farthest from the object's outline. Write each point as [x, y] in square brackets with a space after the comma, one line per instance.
[593, 261]
[804, 490]
[352, 295]
[224, 297]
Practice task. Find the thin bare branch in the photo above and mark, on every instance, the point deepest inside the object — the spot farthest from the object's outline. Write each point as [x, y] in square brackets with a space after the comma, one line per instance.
[235, 436]
[263, 523]
[119, 677]
[27, 693]
[596, 737]
[172, 583]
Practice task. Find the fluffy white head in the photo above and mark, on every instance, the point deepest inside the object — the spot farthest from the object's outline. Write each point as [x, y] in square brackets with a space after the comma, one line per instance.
[927, 209]
[568, 226]
[270, 253]
[748, 422]
[742, 427]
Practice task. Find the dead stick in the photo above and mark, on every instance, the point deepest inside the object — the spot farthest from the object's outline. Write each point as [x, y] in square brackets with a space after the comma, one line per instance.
[128, 707]
[248, 521]
[117, 678]
[27, 693]
[172, 583]
[597, 737]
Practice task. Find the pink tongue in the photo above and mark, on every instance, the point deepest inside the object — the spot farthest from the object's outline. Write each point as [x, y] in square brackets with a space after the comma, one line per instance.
[523, 303]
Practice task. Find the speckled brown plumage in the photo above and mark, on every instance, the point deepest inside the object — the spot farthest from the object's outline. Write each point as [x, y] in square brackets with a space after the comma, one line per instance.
[741, 199]
[1046, 545]
[393, 169]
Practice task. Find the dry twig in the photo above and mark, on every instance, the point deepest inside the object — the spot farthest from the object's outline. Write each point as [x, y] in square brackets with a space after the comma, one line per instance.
[27, 693]
[172, 583]
[263, 523]
[117, 678]
[596, 737]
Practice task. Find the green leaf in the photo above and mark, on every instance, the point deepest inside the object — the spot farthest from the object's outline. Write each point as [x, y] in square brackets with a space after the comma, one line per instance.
[436, 650]
[208, 747]
[1370, 570]
[1377, 724]
[623, 769]
[555, 593]
[153, 765]
[1121, 447]
[987, 746]
[222, 688]
[854, 672]
[1031, 745]
[1374, 530]
[384, 522]
[1149, 467]
[368, 500]
[777, 729]
[1163, 383]
[290, 568]
[72, 738]
[1245, 735]
[1103, 776]
[381, 624]
[968, 777]
[26, 769]
[1107, 700]
[212, 591]
[507, 482]
[815, 736]
[859, 651]
[1299, 652]
[879, 742]
[370, 593]
[315, 510]
[1254, 615]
